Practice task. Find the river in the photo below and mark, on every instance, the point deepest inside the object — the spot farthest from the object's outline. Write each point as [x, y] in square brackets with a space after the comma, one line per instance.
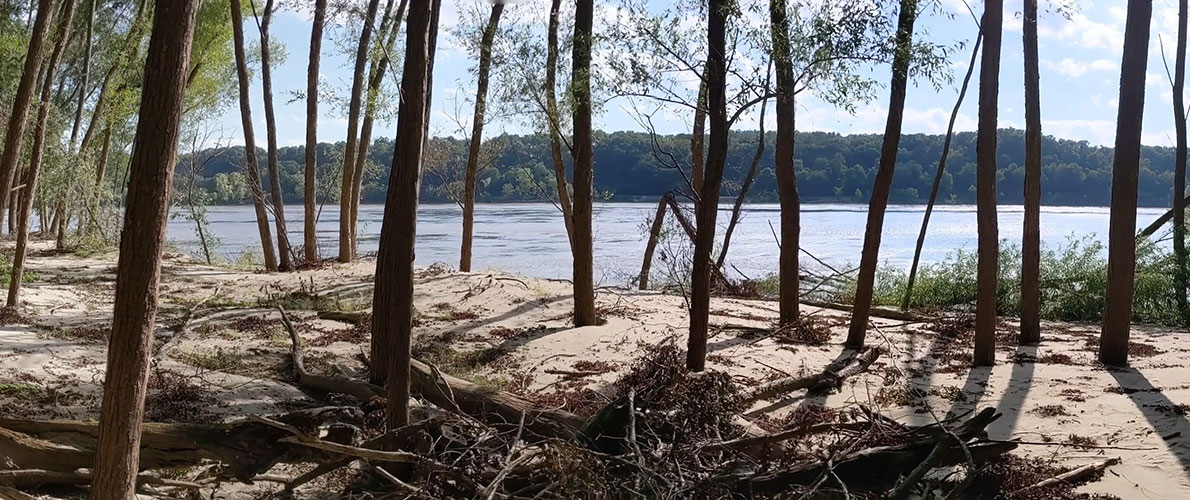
[529, 238]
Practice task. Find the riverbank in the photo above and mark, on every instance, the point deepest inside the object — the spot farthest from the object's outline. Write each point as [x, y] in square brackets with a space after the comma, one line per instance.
[227, 355]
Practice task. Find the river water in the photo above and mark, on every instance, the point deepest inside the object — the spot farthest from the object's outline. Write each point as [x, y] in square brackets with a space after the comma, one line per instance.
[529, 238]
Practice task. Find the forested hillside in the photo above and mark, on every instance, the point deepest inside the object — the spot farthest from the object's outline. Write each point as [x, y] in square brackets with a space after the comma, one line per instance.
[830, 168]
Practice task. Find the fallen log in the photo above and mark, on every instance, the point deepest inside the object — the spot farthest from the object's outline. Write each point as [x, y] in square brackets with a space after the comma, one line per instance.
[33, 479]
[352, 317]
[248, 448]
[830, 378]
[877, 312]
[361, 389]
[1072, 476]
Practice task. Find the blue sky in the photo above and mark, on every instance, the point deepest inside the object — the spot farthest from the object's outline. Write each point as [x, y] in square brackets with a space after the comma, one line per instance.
[1080, 60]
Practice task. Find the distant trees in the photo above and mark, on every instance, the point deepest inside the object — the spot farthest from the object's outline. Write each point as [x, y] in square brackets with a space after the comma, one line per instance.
[141, 243]
[1121, 251]
[988, 268]
[884, 175]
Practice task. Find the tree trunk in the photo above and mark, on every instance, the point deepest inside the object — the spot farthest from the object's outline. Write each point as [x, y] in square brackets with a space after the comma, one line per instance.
[86, 76]
[375, 81]
[988, 267]
[1121, 247]
[783, 157]
[262, 216]
[580, 84]
[1031, 238]
[1181, 280]
[32, 172]
[130, 52]
[745, 187]
[15, 132]
[884, 176]
[697, 137]
[925, 221]
[346, 205]
[392, 300]
[477, 122]
[141, 242]
[309, 227]
[708, 194]
[551, 105]
[651, 246]
[270, 123]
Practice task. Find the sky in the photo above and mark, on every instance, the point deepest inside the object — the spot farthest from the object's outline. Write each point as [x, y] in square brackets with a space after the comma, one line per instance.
[1080, 61]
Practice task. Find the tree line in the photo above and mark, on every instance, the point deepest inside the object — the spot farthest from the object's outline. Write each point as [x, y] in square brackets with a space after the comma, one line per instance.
[830, 167]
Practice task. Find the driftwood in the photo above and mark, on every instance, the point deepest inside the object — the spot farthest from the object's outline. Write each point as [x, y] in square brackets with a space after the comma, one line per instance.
[829, 378]
[34, 478]
[1073, 476]
[877, 312]
[248, 448]
[361, 389]
[345, 316]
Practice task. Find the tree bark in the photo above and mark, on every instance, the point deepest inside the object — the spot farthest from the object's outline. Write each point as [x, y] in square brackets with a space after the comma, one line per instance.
[651, 246]
[141, 243]
[346, 205]
[1121, 247]
[86, 76]
[1181, 280]
[925, 221]
[375, 81]
[988, 267]
[708, 195]
[551, 104]
[270, 123]
[783, 157]
[580, 84]
[1031, 238]
[392, 300]
[258, 202]
[477, 122]
[884, 176]
[33, 171]
[130, 52]
[697, 140]
[15, 132]
[309, 227]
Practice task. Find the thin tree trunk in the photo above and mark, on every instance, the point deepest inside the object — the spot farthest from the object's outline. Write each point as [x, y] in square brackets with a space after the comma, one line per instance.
[1161, 221]
[789, 265]
[884, 176]
[697, 138]
[346, 204]
[745, 187]
[1121, 247]
[270, 123]
[481, 99]
[580, 84]
[130, 52]
[258, 202]
[392, 299]
[651, 246]
[1182, 282]
[551, 105]
[708, 194]
[32, 172]
[84, 82]
[1031, 238]
[141, 243]
[15, 132]
[375, 82]
[988, 267]
[310, 231]
[925, 221]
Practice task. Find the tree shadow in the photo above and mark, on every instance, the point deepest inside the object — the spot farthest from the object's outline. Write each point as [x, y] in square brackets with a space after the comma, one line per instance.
[976, 384]
[1024, 363]
[1167, 418]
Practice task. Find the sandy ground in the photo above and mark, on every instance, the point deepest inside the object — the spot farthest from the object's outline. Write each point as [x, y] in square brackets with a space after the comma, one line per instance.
[1055, 396]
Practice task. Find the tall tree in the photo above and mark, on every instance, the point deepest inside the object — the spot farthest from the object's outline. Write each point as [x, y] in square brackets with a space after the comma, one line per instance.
[270, 123]
[154, 153]
[554, 118]
[346, 204]
[884, 174]
[392, 298]
[584, 168]
[1181, 280]
[262, 216]
[310, 231]
[33, 171]
[938, 174]
[86, 76]
[712, 179]
[477, 123]
[1121, 246]
[1031, 238]
[988, 267]
[783, 164]
[15, 132]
